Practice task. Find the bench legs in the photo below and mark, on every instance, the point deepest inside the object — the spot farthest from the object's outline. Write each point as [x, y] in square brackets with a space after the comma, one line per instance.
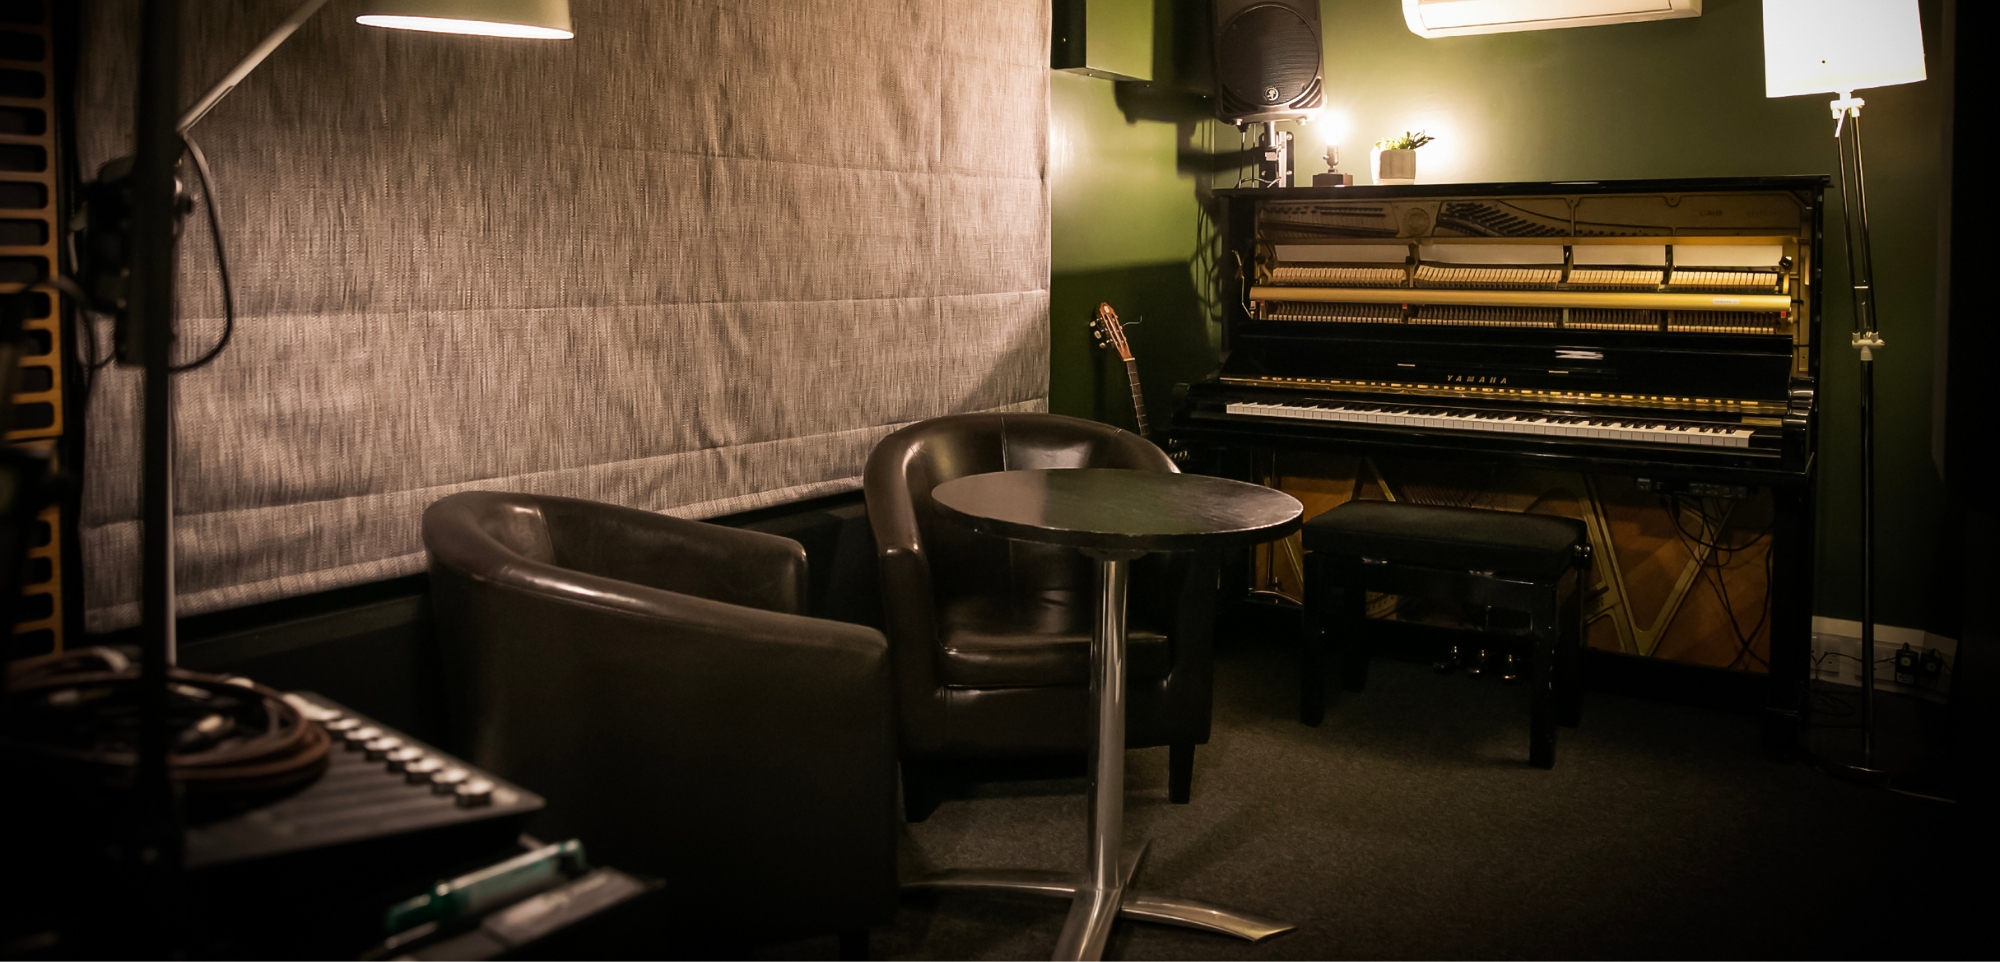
[1353, 641]
[1569, 661]
[1542, 672]
[1349, 644]
[1555, 676]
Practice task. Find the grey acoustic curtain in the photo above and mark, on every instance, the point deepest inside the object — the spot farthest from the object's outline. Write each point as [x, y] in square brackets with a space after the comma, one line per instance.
[696, 260]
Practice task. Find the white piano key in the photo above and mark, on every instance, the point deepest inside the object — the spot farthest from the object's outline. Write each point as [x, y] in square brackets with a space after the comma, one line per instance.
[1609, 429]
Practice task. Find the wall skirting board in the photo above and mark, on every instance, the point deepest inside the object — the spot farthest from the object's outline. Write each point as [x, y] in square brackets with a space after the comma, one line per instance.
[1836, 655]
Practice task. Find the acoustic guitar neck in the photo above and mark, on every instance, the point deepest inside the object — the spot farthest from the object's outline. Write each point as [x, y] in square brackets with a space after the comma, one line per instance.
[1138, 397]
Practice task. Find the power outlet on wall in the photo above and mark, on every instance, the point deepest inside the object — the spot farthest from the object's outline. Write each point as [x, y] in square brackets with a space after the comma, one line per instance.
[1930, 668]
[1906, 660]
[1906, 665]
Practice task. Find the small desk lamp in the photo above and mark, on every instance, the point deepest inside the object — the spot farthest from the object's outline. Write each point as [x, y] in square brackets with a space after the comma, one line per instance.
[1838, 47]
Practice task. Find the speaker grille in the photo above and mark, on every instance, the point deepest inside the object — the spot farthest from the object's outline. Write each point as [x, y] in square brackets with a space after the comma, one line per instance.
[1268, 59]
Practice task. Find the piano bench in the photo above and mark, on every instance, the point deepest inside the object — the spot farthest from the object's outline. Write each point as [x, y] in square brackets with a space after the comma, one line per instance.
[1495, 559]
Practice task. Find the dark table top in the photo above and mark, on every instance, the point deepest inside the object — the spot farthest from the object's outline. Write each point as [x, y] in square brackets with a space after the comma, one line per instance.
[1113, 509]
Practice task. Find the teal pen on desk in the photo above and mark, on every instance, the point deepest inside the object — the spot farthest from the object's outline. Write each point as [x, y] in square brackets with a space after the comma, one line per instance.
[475, 892]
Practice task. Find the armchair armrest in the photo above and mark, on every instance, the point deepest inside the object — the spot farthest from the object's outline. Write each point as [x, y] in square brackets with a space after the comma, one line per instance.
[686, 737]
[723, 564]
[908, 607]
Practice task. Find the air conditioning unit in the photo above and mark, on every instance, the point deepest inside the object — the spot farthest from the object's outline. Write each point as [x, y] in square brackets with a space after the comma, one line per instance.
[1454, 18]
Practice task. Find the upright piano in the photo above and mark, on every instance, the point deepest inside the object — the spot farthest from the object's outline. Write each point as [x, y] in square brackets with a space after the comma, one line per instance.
[1662, 330]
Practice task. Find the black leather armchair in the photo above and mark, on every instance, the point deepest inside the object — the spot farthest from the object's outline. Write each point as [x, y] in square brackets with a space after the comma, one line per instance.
[991, 637]
[658, 681]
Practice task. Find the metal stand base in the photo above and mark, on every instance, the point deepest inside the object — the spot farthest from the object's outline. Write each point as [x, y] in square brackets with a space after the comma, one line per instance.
[1851, 764]
[1092, 912]
[1886, 757]
[1102, 892]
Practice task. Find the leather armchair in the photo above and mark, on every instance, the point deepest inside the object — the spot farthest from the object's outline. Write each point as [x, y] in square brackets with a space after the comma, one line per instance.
[991, 637]
[658, 681]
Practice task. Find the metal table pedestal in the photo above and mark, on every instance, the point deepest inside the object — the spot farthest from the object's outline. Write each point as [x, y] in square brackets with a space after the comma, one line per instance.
[1104, 892]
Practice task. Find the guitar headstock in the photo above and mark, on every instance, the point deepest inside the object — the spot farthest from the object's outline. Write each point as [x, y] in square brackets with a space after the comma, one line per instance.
[1109, 332]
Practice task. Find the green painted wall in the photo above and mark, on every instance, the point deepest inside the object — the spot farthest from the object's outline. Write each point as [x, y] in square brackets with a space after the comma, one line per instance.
[1684, 98]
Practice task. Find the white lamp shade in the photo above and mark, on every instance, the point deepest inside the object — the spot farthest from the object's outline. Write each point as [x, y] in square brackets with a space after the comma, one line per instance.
[537, 19]
[1840, 46]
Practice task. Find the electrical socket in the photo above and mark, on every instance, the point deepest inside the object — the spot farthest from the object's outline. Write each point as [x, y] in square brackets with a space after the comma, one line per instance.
[1836, 650]
[1906, 659]
[1930, 668]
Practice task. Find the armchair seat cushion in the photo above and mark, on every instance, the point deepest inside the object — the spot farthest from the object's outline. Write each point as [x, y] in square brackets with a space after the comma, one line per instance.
[1035, 642]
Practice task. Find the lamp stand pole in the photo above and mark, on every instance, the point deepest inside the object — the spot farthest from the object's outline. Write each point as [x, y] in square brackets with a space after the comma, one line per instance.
[152, 843]
[1864, 761]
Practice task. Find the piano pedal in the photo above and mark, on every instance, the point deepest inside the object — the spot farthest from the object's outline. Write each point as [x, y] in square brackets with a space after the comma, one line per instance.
[1475, 665]
[1510, 668]
[1448, 662]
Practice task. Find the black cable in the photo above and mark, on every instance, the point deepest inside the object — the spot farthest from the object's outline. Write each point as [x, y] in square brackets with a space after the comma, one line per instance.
[1721, 587]
[1720, 555]
[201, 172]
[1674, 503]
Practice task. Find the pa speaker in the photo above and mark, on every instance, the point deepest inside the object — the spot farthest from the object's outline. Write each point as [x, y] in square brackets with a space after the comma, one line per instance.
[1267, 59]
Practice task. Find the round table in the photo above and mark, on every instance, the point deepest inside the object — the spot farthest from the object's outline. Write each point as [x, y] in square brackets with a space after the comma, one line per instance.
[1113, 516]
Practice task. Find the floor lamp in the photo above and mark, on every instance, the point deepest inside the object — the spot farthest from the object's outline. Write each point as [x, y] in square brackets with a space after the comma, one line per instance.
[1839, 47]
[138, 290]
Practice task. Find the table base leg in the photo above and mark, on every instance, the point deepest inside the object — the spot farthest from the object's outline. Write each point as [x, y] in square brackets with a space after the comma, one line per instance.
[1093, 908]
[1091, 911]
[1102, 892]
[1205, 916]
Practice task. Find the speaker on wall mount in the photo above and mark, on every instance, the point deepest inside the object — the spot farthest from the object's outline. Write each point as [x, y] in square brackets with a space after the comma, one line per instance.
[1267, 60]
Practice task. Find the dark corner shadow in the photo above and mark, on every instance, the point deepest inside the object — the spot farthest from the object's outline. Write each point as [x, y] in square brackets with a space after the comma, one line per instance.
[1160, 103]
[1165, 324]
[1407, 713]
[1188, 111]
[1179, 92]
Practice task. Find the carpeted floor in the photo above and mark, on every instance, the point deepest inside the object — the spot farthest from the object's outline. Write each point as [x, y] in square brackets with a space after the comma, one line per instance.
[1409, 825]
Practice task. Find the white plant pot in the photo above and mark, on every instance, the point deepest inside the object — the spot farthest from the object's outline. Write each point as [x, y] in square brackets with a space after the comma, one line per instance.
[1393, 166]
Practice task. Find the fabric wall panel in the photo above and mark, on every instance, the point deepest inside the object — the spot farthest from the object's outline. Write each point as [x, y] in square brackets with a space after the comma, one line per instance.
[793, 232]
[315, 222]
[982, 98]
[995, 350]
[984, 246]
[978, 29]
[767, 81]
[246, 556]
[697, 261]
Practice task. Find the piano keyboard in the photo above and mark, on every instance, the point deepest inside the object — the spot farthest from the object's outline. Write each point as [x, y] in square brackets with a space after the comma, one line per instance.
[1642, 430]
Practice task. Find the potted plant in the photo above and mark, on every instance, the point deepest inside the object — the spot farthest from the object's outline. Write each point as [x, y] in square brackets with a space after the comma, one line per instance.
[1394, 159]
